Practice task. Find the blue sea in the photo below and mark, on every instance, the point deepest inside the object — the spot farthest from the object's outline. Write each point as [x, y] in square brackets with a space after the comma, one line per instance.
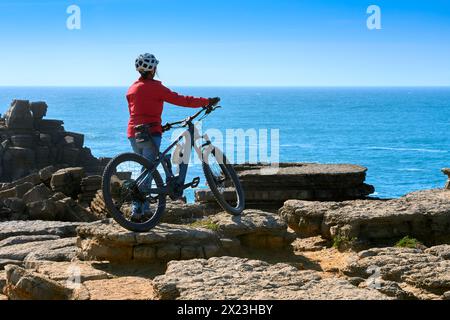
[402, 135]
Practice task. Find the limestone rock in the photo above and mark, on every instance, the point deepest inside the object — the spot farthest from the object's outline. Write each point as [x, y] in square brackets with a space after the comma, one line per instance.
[35, 227]
[23, 141]
[234, 278]
[411, 267]
[62, 271]
[267, 186]
[51, 250]
[42, 210]
[33, 178]
[37, 193]
[254, 228]
[18, 162]
[70, 210]
[39, 109]
[19, 115]
[46, 173]
[442, 251]
[179, 212]
[424, 215]
[89, 187]
[446, 171]
[25, 285]
[68, 181]
[106, 240]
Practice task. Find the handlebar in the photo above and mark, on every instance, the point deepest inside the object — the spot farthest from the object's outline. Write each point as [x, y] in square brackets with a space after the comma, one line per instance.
[188, 120]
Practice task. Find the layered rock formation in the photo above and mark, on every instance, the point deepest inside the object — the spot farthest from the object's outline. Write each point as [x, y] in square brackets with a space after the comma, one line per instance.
[216, 235]
[46, 195]
[29, 143]
[403, 272]
[267, 186]
[251, 279]
[24, 242]
[424, 215]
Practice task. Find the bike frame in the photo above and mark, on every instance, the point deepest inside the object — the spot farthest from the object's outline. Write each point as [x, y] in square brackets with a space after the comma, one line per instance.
[191, 135]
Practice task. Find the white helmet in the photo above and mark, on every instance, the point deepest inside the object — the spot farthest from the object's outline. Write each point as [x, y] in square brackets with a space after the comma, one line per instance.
[146, 63]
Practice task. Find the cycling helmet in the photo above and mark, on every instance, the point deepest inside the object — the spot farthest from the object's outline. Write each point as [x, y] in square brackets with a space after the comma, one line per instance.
[146, 63]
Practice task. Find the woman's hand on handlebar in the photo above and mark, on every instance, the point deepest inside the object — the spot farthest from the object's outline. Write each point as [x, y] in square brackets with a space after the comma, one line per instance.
[213, 101]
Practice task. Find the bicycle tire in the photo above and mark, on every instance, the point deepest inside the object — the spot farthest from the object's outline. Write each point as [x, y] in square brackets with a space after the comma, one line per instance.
[236, 210]
[108, 199]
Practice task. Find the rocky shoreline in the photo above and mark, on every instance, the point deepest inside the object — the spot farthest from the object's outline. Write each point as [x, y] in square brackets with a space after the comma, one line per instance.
[311, 232]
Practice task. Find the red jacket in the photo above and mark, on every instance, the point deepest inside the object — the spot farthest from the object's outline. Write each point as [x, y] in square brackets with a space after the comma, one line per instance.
[146, 99]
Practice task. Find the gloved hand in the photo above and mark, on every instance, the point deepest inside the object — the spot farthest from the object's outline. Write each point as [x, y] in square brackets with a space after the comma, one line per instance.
[213, 101]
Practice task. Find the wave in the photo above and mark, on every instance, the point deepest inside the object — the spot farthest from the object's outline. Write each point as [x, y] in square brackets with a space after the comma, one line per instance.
[411, 169]
[408, 149]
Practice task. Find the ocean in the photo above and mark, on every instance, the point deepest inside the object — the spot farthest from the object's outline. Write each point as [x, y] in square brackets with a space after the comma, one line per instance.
[400, 134]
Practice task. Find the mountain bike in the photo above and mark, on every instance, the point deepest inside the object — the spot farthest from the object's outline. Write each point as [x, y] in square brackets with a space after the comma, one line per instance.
[129, 178]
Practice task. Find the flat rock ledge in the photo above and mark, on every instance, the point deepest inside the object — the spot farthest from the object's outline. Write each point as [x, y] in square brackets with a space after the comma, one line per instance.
[424, 215]
[235, 278]
[219, 234]
[404, 272]
[26, 242]
[268, 186]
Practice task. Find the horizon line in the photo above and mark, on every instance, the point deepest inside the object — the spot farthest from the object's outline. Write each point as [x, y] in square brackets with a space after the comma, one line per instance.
[231, 86]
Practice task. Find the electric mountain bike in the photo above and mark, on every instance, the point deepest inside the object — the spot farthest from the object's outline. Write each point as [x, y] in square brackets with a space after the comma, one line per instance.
[130, 179]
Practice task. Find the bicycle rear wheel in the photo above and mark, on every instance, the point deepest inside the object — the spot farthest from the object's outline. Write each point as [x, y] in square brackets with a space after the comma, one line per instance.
[125, 184]
[223, 180]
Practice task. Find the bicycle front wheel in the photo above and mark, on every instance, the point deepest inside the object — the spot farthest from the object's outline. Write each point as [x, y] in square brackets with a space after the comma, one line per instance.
[223, 180]
[129, 192]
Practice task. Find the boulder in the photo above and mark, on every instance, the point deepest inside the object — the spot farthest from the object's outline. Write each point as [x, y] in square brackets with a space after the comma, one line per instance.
[446, 171]
[33, 178]
[45, 210]
[231, 278]
[19, 115]
[424, 215]
[46, 173]
[254, 229]
[89, 187]
[67, 181]
[39, 109]
[25, 285]
[23, 188]
[61, 270]
[16, 205]
[70, 210]
[426, 271]
[37, 193]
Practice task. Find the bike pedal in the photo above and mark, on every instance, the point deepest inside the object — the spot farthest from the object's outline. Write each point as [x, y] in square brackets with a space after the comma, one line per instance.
[195, 182]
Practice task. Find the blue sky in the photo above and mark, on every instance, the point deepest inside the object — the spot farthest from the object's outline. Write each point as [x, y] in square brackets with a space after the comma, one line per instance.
[227, 43]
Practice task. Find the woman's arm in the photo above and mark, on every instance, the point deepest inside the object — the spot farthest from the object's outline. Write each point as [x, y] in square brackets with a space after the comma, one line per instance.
[183, 101]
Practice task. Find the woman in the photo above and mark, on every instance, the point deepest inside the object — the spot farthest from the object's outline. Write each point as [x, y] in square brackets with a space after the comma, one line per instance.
[146, 98]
